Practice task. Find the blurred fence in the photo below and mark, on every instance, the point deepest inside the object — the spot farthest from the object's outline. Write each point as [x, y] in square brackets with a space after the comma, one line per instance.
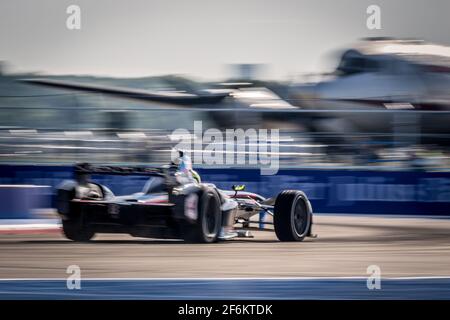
[298, 147]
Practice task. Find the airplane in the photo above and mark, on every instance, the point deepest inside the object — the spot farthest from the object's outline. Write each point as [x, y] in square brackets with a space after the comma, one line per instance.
[383, 73]
[381, 86]
[187, 96]
[381, 81]
[217, 101]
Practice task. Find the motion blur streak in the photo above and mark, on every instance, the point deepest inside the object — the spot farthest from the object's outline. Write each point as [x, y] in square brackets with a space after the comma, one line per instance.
[245, 289]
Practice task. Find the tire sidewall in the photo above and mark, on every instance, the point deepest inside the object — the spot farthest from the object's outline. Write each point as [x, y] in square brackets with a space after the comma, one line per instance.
[75, 231]
[284, 210]
[300, 196]
[211, 237]
[197, 231]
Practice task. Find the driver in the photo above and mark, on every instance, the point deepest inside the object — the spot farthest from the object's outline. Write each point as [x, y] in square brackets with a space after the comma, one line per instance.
[185, 173]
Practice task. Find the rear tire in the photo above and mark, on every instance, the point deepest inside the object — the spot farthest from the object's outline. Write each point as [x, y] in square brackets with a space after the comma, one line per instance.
[74, 231]
[72, 223]
[292, 216]
[206, 228]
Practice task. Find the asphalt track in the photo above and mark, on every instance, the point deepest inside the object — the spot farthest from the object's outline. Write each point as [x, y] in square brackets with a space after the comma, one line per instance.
[345, 247]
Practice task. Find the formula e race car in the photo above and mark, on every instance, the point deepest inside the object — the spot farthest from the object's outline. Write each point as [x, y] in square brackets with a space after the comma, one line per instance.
[171, 208]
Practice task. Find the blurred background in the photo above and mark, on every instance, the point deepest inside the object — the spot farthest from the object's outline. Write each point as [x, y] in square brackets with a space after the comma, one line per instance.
[344, 97]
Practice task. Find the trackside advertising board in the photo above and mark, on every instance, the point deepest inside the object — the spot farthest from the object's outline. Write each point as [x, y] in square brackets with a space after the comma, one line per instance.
[330, 191]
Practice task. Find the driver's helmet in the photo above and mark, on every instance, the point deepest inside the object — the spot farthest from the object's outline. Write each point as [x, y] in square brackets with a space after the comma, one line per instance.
[185, 172]
[185, 163]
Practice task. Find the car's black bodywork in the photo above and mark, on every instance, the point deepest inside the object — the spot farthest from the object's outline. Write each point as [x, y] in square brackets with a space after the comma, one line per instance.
[169, 209]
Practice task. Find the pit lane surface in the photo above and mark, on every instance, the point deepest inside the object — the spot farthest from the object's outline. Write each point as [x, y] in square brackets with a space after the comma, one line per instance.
[346, 246]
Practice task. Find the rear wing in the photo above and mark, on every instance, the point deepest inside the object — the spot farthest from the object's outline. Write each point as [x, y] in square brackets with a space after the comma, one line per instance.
[83, 169]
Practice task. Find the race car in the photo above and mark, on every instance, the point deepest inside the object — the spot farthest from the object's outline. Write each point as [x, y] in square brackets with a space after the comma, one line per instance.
[169, 207]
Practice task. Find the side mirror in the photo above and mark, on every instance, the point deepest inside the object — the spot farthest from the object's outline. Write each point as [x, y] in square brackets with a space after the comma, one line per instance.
[238, 187]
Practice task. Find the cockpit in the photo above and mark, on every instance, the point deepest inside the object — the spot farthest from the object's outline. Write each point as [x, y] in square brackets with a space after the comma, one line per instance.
[154, 185]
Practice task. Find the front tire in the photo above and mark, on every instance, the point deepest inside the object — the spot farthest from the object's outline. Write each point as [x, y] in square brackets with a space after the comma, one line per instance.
[292, 216]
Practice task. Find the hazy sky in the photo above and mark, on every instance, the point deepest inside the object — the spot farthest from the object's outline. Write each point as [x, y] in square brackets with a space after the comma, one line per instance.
[201, 37]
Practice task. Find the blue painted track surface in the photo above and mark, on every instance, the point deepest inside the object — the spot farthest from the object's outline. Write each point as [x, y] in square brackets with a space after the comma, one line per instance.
[260, 289]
